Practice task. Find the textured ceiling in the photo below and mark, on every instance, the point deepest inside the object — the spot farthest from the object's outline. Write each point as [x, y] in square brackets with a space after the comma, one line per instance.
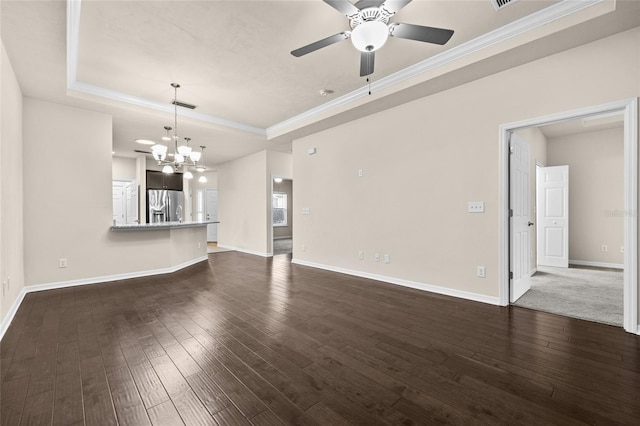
[232, 59]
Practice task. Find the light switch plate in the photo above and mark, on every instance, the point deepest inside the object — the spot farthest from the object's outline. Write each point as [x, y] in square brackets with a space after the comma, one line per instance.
[475, 207]
[306, 210]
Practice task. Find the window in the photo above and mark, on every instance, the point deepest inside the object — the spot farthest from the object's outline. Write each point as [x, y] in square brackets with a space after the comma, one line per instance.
[279, 205]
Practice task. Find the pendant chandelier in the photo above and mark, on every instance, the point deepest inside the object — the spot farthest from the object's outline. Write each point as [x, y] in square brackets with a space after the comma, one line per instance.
[183, 156]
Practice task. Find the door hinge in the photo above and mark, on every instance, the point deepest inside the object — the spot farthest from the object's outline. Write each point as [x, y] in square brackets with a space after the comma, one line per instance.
[510, 275]
[511, 150]
[510, 212]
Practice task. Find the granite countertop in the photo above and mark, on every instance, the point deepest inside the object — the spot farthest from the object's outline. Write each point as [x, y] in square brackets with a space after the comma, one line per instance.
[159, 225]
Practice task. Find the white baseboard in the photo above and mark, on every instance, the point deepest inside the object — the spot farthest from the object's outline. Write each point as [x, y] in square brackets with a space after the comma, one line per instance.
[4, 325]
[596, 264]
[242, 250]
[533, 271]
[405, 283]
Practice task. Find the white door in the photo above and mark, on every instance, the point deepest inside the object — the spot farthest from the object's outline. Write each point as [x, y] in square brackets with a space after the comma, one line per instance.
[520, 224]
[212, 213]
[131, 190]
[118, 203]
[552, 197]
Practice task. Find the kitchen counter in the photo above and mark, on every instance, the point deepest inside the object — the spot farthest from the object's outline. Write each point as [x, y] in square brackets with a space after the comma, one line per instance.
[159, 225]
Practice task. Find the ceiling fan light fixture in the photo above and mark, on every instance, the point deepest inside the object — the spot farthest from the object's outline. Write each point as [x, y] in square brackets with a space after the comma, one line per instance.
[369, 36]
[167, 169]
[188, 175]
[202, 179]
[144, 141]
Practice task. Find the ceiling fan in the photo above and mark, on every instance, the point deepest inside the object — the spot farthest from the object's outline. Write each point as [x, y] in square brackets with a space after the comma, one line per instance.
[370, 28]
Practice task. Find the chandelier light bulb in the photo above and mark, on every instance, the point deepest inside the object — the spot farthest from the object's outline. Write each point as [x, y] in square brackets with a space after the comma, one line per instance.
[184, 150]
[369, 36]
[195, 156]
[167, 169]
[188, 175]
[179, 158]
[159, 152]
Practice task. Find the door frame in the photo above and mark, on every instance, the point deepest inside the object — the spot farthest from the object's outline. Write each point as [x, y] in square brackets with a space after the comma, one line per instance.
[630, 109]
[270, 210]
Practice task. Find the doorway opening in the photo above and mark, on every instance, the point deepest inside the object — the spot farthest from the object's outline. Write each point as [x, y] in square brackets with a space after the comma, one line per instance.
[125, 202]
[576, 182]
[281, 215]
[513, 254]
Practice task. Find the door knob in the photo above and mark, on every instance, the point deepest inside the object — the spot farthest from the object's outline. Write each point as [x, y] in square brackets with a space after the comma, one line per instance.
[530, 223]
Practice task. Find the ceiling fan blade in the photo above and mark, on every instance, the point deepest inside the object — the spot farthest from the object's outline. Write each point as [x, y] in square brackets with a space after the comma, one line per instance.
[363, 4]
[319, 44]
[366, 63]
[343, 6]
[393, 6]
[420, 33]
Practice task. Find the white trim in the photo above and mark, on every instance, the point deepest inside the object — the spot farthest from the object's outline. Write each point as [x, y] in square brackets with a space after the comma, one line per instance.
[283, 238]
[630, 108]
[461, 294]
[73, 39]
[631, 218]
[596, 264]
[247, 251]
[6, 321]
[102, 92]
[528, 23]
[86, 281]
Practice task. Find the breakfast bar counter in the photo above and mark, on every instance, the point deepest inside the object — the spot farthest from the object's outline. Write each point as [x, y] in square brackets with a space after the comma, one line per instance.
[159, 225]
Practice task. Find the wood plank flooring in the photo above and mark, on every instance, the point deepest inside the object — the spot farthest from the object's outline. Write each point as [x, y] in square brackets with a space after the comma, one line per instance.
[244, 340]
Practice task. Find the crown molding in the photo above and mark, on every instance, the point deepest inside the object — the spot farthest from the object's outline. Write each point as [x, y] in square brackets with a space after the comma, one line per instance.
[74, 86]
[528, 23]
[93, 90]
[509, 31]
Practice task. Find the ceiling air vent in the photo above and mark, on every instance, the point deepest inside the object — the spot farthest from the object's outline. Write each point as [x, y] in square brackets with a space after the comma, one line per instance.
[499, 4]
[182, 104]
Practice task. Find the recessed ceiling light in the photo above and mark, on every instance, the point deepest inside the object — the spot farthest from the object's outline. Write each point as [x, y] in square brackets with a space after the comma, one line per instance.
[325, 92]
[144, 141]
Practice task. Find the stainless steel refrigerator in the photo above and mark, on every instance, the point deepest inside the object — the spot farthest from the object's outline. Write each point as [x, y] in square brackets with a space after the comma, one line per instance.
[164, 205]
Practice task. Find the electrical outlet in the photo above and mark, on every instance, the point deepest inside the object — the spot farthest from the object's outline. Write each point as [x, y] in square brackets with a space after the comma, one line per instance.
[62, 263]
[361, 255]
[475, 207]
[387, 259]
[604, 248]
[621, 249]
[481, 272]
[377, 257]
[360, 172]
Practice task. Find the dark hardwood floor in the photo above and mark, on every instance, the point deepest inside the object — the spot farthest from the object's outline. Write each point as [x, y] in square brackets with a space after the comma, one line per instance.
[243, 340]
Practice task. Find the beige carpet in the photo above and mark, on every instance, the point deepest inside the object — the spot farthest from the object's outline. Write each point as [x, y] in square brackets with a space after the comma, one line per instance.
[586, 293]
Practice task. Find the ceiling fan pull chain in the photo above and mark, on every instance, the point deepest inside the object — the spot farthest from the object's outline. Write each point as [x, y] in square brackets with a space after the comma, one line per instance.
[369, 81]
